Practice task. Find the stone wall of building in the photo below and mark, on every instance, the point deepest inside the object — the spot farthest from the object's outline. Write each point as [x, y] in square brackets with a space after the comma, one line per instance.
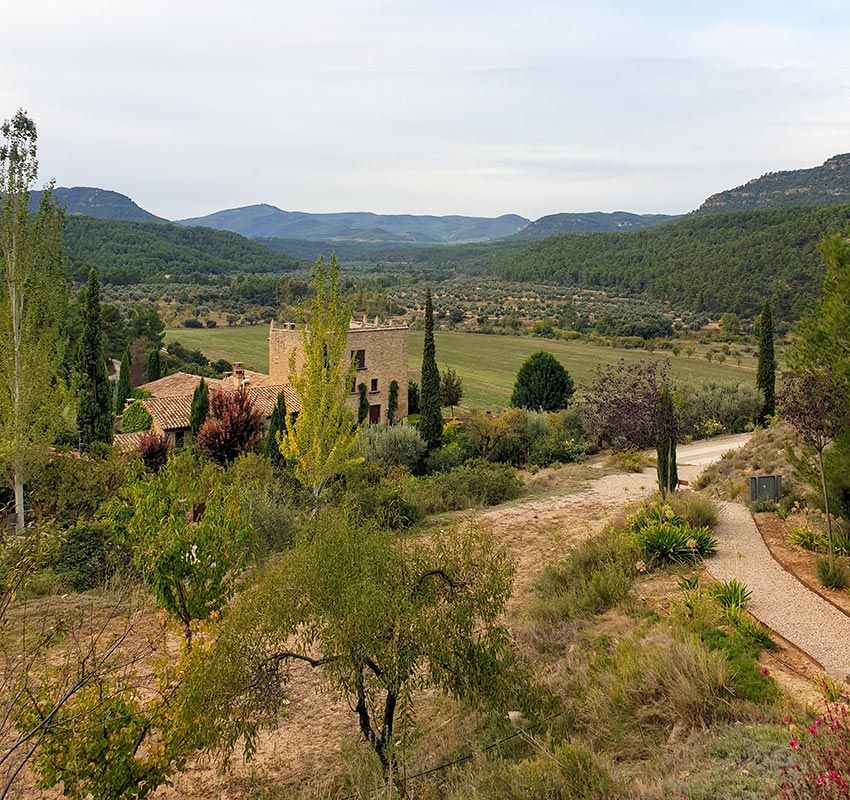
[385, 353]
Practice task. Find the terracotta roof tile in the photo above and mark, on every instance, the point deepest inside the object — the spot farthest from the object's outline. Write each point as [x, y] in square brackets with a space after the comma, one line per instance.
[179, 383]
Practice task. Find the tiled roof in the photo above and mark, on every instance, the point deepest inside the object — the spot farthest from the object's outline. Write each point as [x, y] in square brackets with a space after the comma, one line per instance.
[179, 383]
[172, 413]
[128, 441]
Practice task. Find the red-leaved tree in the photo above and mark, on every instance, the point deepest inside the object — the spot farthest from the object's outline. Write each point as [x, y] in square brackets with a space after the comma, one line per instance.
[233, 426]
[153, 448]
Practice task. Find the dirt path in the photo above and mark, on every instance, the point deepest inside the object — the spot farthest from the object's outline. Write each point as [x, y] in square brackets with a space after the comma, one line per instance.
[540, 529]
[779, 600]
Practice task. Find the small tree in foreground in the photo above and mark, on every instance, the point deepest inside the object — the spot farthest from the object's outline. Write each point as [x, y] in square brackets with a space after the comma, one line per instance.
[232, 428]
[665, 449]
[451, 389]
[816, 405]
[542, 384]
[362, 404]
[430, 407]
[382, 619]
[322, 439]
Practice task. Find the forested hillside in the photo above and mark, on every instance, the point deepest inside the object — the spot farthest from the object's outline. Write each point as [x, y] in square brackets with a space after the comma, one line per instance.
[132, 252]
[817, 186]
[591, 222]
[716, 263]
[88, 201]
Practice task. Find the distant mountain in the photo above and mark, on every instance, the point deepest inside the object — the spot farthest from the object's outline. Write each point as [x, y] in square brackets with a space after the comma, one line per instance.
[265, 221]
[591, 222]
[87, 201]
[825, 185]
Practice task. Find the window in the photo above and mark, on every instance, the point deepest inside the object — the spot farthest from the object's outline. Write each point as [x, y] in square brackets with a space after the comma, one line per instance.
[373, 386]
[359, 358]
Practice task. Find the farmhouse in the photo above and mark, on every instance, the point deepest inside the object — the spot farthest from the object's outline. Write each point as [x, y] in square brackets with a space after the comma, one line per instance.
[378, 350]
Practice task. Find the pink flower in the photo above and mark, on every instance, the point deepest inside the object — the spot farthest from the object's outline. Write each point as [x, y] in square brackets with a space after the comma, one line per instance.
[813, 729]
[794, 744]
[765, 671]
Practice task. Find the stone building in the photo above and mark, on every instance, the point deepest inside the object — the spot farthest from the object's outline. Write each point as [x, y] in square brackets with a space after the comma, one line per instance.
[379, 350]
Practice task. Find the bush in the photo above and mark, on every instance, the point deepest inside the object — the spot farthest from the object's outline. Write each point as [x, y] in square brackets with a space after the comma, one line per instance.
[730, 595]
[675, 543]
[697, 510]
[153, 449]
[807, 539]
[135, 418]
[833, 573]
[445, 459]
[83, 556]
[478, 483]
[394, 446]
[709, 409]
[568, 771]
[629, 461]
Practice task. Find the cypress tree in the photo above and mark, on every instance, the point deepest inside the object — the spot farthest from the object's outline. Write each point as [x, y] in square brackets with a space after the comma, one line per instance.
[766, 375]
[668, 474]
[277, 425]
[363, 405]
[124, 386]
[392, 402]
[154, 365]
[430, 405]
[94, 405]
[200, 407]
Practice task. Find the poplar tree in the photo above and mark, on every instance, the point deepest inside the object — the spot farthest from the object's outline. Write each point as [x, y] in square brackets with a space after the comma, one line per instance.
[430, 405]
[33, 295]
[124, 386]
[94, 401]
[322, 439]
[200, 408]
[277, 425]
[154, 365]
[766, 374]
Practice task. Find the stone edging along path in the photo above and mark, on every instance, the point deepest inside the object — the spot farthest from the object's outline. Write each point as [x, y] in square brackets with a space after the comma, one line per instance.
[779, 600]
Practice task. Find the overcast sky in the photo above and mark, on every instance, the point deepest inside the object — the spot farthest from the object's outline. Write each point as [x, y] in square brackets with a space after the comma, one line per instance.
[429, 107]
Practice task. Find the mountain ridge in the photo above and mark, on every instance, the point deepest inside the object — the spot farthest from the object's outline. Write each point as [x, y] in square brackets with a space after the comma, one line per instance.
[91, 201]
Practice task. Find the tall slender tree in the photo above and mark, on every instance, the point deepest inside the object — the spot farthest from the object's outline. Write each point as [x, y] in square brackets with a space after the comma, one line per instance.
[94, 398]
[392, 402]
[665, 448]
[200, 408]
[33, 301]
[321, 440]
[766, 375]
[154, 372]
[362, 404]
[123, 386]
[277, 426]
[430, 401]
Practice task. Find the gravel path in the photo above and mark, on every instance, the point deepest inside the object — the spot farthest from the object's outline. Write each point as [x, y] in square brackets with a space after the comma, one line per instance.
[779, 600]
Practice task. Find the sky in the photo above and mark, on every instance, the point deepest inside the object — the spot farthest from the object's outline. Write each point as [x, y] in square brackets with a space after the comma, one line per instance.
[463, 107]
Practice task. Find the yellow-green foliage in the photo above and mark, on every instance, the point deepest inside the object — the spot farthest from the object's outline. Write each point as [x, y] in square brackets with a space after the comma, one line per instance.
[629, 461]
[322, 440]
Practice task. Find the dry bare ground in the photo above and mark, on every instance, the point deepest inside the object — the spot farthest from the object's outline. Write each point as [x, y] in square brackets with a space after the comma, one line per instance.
[307, 752]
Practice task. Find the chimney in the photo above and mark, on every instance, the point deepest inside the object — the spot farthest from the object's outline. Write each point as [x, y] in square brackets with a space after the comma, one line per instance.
[238, 373]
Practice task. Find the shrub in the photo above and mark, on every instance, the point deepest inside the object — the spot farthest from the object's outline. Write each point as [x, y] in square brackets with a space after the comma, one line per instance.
[763, 505]
[445, 459]
[153, 449]
[233, 426]
[568, 771]
[83, 556]
[394, 446]
[674, 543]
[833, 573]
[629, 461]
[807, 539]
[697, 510]
[477, 483]
[557, 447]
[730, 595]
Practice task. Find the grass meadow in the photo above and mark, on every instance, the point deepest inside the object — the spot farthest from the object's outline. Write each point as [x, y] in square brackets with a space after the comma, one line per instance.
[486, 363]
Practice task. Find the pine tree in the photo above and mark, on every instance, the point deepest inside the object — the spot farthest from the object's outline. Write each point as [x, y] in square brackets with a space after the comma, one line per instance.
[542, 384]
[277, 427]
[94, 405]
[363, 404]
[665, 449]
[392, 402]
[766, 374]
[430, 406]
[123, 387]
[200, 408]
[154, 365]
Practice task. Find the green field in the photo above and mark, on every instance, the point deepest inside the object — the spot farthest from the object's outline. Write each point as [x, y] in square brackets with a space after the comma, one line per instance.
[487, 364]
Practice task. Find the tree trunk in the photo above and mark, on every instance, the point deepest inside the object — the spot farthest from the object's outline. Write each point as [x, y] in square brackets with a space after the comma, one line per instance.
[826, 510]
[20, 520]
